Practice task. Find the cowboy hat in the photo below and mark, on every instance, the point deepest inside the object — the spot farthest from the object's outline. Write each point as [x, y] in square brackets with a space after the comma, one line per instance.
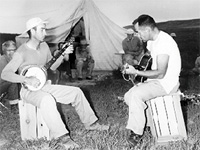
[129, 31]
[83, 43]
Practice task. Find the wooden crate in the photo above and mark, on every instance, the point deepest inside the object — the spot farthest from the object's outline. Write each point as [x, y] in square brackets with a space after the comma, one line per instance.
[32, 125]
[166, 119]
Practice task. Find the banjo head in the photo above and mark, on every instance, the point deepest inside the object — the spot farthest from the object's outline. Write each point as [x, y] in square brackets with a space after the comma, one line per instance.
[35, 71]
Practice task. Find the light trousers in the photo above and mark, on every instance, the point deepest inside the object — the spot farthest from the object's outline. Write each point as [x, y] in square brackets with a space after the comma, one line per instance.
[46, 99]
[135, 98]
[88, 65]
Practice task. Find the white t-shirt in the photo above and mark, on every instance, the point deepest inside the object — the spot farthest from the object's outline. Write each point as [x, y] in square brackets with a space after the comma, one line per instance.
[164, 44]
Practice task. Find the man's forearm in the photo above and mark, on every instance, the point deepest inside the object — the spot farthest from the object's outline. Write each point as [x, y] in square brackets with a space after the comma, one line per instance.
[57, 63]
[134, 53]
[12, 77]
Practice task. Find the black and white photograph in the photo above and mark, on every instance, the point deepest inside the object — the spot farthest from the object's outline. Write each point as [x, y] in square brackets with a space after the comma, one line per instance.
[99, 74]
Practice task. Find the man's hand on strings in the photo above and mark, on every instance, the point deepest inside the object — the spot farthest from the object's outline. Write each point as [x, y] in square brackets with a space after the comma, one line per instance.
[129, 69]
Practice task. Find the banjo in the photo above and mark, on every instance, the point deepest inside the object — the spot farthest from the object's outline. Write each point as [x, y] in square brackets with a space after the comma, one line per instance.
[41, 72]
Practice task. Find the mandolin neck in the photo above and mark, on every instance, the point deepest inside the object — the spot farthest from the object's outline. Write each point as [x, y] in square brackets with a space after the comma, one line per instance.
[62, 47]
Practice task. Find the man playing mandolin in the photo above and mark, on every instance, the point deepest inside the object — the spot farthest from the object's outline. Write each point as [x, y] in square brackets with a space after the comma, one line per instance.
[36, 53]
[163, 78]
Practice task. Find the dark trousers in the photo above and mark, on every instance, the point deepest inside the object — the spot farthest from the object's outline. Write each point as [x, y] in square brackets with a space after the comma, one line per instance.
[12, 90]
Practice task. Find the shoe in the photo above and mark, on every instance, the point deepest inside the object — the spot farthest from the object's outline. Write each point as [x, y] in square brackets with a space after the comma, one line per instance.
[67, 142]
[97, 126]
[134, 139]
[120, 98]
[67, 77]
[89, 78]
[70, 79]
[79, 78]
[13, 102]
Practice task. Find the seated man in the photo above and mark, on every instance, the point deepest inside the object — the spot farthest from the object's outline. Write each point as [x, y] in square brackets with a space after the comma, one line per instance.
[133, 48]
[36, 52]
[64, 68]
[84, 60]
[196, 69]
[163, 78]
[173, 35]
[12, 89]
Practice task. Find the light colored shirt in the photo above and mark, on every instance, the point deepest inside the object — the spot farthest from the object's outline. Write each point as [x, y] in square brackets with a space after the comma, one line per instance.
[197, 62]
[164, 44]
[83, 53]
[3, 62]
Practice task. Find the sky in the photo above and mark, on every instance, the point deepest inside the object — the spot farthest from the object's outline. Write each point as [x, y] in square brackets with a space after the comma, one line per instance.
[160, 10]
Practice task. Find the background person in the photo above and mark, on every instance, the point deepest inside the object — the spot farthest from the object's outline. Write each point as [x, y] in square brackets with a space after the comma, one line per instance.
[36, 52]
[12, 89]
[64, 70]
[196, 69]
[163, 79]
[173, 35]
[133, 48]
[84, 60]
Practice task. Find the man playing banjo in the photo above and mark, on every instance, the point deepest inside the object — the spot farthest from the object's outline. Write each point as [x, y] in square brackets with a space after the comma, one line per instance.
[35, 52]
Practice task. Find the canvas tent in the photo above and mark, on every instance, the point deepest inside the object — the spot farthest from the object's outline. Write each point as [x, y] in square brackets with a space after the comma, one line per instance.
[104, 36]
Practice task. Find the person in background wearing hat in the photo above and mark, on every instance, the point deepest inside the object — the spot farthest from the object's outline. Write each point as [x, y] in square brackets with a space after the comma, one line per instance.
[163, 78]
[133, 48]
[64, 69]
[173, 35]
[196, 69]
[36, 52]
[84, 60]
[12, 89]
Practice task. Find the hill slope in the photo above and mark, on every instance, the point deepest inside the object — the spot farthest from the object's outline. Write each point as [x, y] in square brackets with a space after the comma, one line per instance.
[194, 23]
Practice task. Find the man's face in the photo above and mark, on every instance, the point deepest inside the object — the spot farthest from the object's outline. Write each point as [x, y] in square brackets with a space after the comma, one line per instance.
[129, 36]
[9, 52]
[40, 32]
[142, 32]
